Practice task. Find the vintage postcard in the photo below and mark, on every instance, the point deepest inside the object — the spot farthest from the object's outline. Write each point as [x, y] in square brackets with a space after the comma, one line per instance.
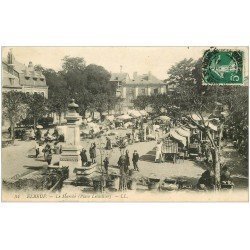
[124, 124]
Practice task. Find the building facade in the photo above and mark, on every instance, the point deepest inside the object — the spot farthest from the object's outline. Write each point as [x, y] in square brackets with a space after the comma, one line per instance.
[19, 77]
[119, 79]
[146, 84]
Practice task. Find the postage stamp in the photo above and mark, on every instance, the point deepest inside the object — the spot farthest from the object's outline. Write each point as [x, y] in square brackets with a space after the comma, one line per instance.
[222, 67]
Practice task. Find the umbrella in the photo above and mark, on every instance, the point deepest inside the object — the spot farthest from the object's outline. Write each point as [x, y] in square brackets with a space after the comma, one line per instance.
[39, 126]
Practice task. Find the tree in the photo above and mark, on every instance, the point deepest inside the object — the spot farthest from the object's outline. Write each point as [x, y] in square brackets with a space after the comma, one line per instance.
[58, 101]
[58, 92]
[14, 109]
[207, 102]
[182, 73]
[101, 89]
[37, 107]
[228, 104]
[141, 102]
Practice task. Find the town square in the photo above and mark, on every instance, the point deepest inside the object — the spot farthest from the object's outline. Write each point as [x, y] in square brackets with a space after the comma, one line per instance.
[155, 126]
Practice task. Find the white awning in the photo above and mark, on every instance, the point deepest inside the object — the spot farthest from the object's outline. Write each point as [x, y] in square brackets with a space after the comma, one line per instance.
[124, 117]
[110, 118]
[144, 112]
[195, 117]
[183, 132]
[134, 113]
[211, 125]
[164, 118]
[176, 136]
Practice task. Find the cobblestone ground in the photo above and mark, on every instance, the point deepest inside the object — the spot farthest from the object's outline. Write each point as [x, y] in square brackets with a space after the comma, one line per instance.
[16, 159]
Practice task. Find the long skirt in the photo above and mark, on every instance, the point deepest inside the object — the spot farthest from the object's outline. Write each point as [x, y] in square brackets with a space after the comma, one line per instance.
[158, 155]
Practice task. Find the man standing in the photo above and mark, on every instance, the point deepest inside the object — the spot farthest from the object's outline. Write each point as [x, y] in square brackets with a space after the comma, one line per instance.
[135, 160]
[106, 164]
[84, 157]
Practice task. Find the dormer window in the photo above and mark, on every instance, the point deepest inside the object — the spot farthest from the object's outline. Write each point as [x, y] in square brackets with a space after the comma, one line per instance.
[34, 78]
[42, 79]
[27, 77]
[11, 81]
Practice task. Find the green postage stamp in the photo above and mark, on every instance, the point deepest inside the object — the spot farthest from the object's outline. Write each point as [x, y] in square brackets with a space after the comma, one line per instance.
[222, 67]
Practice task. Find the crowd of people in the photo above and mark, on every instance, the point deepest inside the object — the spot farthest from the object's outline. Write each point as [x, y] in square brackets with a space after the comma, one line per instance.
[46, 143]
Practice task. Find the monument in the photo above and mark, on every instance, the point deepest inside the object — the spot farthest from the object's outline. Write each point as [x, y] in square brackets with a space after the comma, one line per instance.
[70, 156]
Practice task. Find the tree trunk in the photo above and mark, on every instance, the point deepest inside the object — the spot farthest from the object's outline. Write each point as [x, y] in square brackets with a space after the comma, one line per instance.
[60, 119]
[216, 160]
[35, 123]
[100, 116]
[12, 131]
[217, 169]
[84, 113]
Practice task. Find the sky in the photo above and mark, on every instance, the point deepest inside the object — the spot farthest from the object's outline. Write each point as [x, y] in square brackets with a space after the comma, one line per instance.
[132, 59]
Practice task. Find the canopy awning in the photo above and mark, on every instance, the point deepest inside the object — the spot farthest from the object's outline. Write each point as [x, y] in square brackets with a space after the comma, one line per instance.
[143, 112]
[211, 126]
[183, 132]
[192, 126]
[110, 118]
[177, 137]
[134, 113]
[164, 118]
[195, 117]
[124, 117]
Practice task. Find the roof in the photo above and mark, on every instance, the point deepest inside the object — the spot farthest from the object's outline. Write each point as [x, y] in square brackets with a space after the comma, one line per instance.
[28, 75]
[119, 77]
[145, 79]
[173, 134]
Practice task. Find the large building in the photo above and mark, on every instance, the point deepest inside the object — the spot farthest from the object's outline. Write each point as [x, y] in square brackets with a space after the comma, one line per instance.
[129, 89]
[119, 79]
[16, 76]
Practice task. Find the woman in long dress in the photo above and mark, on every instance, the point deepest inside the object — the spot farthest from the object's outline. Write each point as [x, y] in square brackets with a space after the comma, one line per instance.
[158, 155]
[92, 153]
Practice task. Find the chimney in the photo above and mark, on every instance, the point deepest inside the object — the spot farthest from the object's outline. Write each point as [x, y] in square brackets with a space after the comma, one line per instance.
[11, 57]
[135, 75]
[120, 68]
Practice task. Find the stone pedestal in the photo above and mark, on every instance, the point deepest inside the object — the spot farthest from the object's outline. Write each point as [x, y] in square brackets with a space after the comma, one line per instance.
[70, 156]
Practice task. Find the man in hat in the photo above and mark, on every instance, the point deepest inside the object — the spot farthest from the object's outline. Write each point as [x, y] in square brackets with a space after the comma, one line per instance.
[84, 157]
[135, 160]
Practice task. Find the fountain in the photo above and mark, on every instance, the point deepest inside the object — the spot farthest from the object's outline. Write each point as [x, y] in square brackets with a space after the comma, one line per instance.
[70, 156]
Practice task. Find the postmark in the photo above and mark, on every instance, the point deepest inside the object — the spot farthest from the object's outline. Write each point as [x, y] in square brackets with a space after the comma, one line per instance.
[222, 67]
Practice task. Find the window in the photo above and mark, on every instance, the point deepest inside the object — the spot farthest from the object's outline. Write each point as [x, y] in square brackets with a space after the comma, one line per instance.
[131, 91]
[12, 81]
[155, 91]
[143, 91]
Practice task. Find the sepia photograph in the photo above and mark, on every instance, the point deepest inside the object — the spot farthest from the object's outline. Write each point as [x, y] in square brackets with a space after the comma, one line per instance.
[124, 124]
